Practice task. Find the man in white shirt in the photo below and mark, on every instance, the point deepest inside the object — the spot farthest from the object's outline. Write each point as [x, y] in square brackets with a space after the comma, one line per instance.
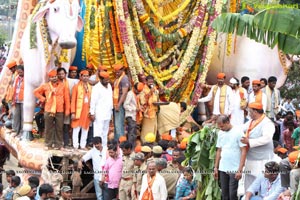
[98, 156]
[273, 98]
[221, 97]
[101, 106]
[153, 184]
[258, 137]
[240, 102]
[132, 111]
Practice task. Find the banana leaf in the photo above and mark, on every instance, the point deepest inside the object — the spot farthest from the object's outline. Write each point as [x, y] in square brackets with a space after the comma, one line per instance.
[281, 20]
[275, 26]
[201, 152]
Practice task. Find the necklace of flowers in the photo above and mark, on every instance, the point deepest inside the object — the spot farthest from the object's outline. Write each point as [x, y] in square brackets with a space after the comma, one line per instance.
[144, 46]
[127, 40]
[208, 51]
[182, 32]
[172, 14]
[160, 76]
[192, 49]
[145, 18]
[86, 36]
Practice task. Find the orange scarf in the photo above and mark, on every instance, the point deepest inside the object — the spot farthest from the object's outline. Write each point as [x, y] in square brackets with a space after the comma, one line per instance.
[253, 124]
[21, 91]
[148, 195]
[10, 89]
[139, 114]
[83, 92]
[241, 91]
[258, 96]
[148, 107]
[52, 94]
[117, 89]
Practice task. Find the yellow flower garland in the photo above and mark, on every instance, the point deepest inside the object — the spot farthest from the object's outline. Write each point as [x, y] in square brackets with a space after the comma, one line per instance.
[169, 16]
[130, 50]
[211, 45]
[196, 39]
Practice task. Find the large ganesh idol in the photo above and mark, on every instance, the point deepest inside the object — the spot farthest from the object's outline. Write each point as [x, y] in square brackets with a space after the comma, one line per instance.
[247, 58]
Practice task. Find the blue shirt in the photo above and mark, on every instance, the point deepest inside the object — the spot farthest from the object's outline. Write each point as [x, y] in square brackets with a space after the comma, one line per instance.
[265, 189]
[230, 144]
[184, 188]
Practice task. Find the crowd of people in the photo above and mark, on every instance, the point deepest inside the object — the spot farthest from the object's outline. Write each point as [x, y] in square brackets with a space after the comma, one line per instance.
[257, 143]
[31, 189]
[142, 162]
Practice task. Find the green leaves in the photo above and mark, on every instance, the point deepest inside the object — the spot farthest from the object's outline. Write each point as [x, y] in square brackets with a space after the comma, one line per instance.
[275, 26]
[201, 152]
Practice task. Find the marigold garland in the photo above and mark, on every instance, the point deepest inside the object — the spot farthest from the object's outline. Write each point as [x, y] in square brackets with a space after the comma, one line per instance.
[169, 16]
[133, 32]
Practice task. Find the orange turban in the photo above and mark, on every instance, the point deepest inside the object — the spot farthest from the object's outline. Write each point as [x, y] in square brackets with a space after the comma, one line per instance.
[166, 137]
[221, 76]
[140, 86]
[11, 64]
[282, 150]
[104, 74]
[73, 68]
[84, 72]
[138, 149]
[52, 73]
[296, 147]
[102, 68]
[293, 156]
[256, 82]
[122, 139]
[256, 105]
[118, 66]
[90, 66]
[183, 145]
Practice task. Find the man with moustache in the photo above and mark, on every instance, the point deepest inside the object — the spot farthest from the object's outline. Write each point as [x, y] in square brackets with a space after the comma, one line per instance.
[80, 106]
[273, 98]
[69, 83]
[98, 155]
[121, 88]
[257, 95]
[221, 97]
[148, 96]
[101, 107]
[17, 101]
[57, 105]
[259, 131]
[240, 102]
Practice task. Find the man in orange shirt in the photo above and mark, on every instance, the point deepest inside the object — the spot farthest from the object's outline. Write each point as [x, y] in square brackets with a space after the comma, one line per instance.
[17, 101]
[80, 107]
[57, 102]
[148, 96]
[12, 66]
[69, 83]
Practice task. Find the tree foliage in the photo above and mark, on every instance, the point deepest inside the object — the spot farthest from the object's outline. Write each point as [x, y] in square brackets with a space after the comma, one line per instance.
[291, 87]
[3, 37]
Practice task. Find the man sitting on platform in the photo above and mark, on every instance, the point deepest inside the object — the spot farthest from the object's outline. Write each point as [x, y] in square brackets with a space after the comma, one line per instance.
[268, 185]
